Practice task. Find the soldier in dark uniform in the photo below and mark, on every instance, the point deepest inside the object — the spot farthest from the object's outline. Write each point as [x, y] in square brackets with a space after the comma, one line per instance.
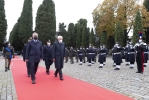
[89, 54]
[71, 55]
[81, 55]
[76, 54]
[139, 47]
[118, 58]
[8, 53]
[126, 53]
[105, 55]
[84, 55]
[145, 55]
[66, 54]
[27, 63]
[113, 55]
[94, 55]
[101, 57]
[131, 53]
[47, 56]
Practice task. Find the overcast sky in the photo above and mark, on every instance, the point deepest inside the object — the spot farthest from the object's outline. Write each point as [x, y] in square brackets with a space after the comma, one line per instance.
[66, 11]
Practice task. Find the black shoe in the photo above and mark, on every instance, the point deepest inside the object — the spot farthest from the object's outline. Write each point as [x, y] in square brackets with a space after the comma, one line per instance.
[131, 67]
[8, 68]
[33, 82]
[48, 73]
[145, 66]
[55, 75]
[100, 67]
[61, 79]
[117, 69]
[5, 70]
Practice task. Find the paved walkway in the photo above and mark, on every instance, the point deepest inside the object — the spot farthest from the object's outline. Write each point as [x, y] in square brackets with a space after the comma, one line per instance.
[125, 81]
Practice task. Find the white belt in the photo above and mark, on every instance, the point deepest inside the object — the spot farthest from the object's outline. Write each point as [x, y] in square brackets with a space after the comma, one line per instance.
[131, 52]
[91, 53]
[145, 52]
[80, 54]
[117, 53]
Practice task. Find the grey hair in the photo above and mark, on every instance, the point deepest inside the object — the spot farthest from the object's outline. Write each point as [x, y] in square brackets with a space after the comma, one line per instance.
[35, 33]
[59, 37]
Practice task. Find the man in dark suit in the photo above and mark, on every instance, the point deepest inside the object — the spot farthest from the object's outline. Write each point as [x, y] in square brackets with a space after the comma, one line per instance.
[27, 63]
[58, 54]
[47, 56]
[34, 55]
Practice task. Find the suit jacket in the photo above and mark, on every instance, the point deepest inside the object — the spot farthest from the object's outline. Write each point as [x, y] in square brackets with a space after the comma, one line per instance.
[34, 51]
[58, 53]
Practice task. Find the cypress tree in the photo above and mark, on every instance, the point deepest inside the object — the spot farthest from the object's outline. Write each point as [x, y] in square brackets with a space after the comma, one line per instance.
[71, 35]
[3, 23]
[46, 21]
[25, 22]
[78, 39]
[103, 38]
[146, 4]
[92, 37]
[63, 32]
[119, 33]
[137, 27]
[84, 35]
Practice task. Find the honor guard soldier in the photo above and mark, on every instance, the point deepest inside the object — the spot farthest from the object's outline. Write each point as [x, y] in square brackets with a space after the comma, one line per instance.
[81, 55]
[47, 56]
[101, 58]
[105, 55]
[66, 54]
[84, 55]
[90, 54]
[113, 55]
[127, 48]
[139, 47]
[145, 55]
[94, 52]
[71, 55]
[131, 53]
[118, 58]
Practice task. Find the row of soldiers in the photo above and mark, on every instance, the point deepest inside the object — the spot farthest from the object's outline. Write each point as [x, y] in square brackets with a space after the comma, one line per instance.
[133, 53]
[89, 53]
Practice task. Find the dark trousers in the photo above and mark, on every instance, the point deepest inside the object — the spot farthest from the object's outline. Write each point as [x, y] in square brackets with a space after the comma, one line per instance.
[60, 73]
[84, 59]
[80, 60]
[139, 62]
[93, 59]
[66, 59]
[28, 68]
[89, 60]
[48, 64]
[132, 62]
[33, 69]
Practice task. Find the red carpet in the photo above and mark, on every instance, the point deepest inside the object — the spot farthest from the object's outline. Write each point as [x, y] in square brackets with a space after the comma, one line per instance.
[48, 87]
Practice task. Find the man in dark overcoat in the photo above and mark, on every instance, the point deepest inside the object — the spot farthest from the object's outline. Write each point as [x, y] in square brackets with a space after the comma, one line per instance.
[34, 55]
[58, 55]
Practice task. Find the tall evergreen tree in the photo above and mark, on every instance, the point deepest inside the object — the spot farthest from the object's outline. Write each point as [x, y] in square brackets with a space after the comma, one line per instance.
[84, 37]
[146, 4]
[78, 39]
[71, 35]
[92, 37]
[3, 23]
[103, 38]
[25, 22]
[119, 33]
[46, 21]
[88, 36]
[137, 27]
[14, 37]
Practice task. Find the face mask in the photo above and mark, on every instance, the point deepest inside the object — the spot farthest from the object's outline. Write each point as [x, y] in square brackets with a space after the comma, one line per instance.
[35, 37]
[140, 41]
[60, 41]
[80, 48]
[9, 44]
[48, 44]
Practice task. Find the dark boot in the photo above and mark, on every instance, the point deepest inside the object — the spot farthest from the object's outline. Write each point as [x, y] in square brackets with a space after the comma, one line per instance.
[61, 75]
[8, 68]
[5, 69]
